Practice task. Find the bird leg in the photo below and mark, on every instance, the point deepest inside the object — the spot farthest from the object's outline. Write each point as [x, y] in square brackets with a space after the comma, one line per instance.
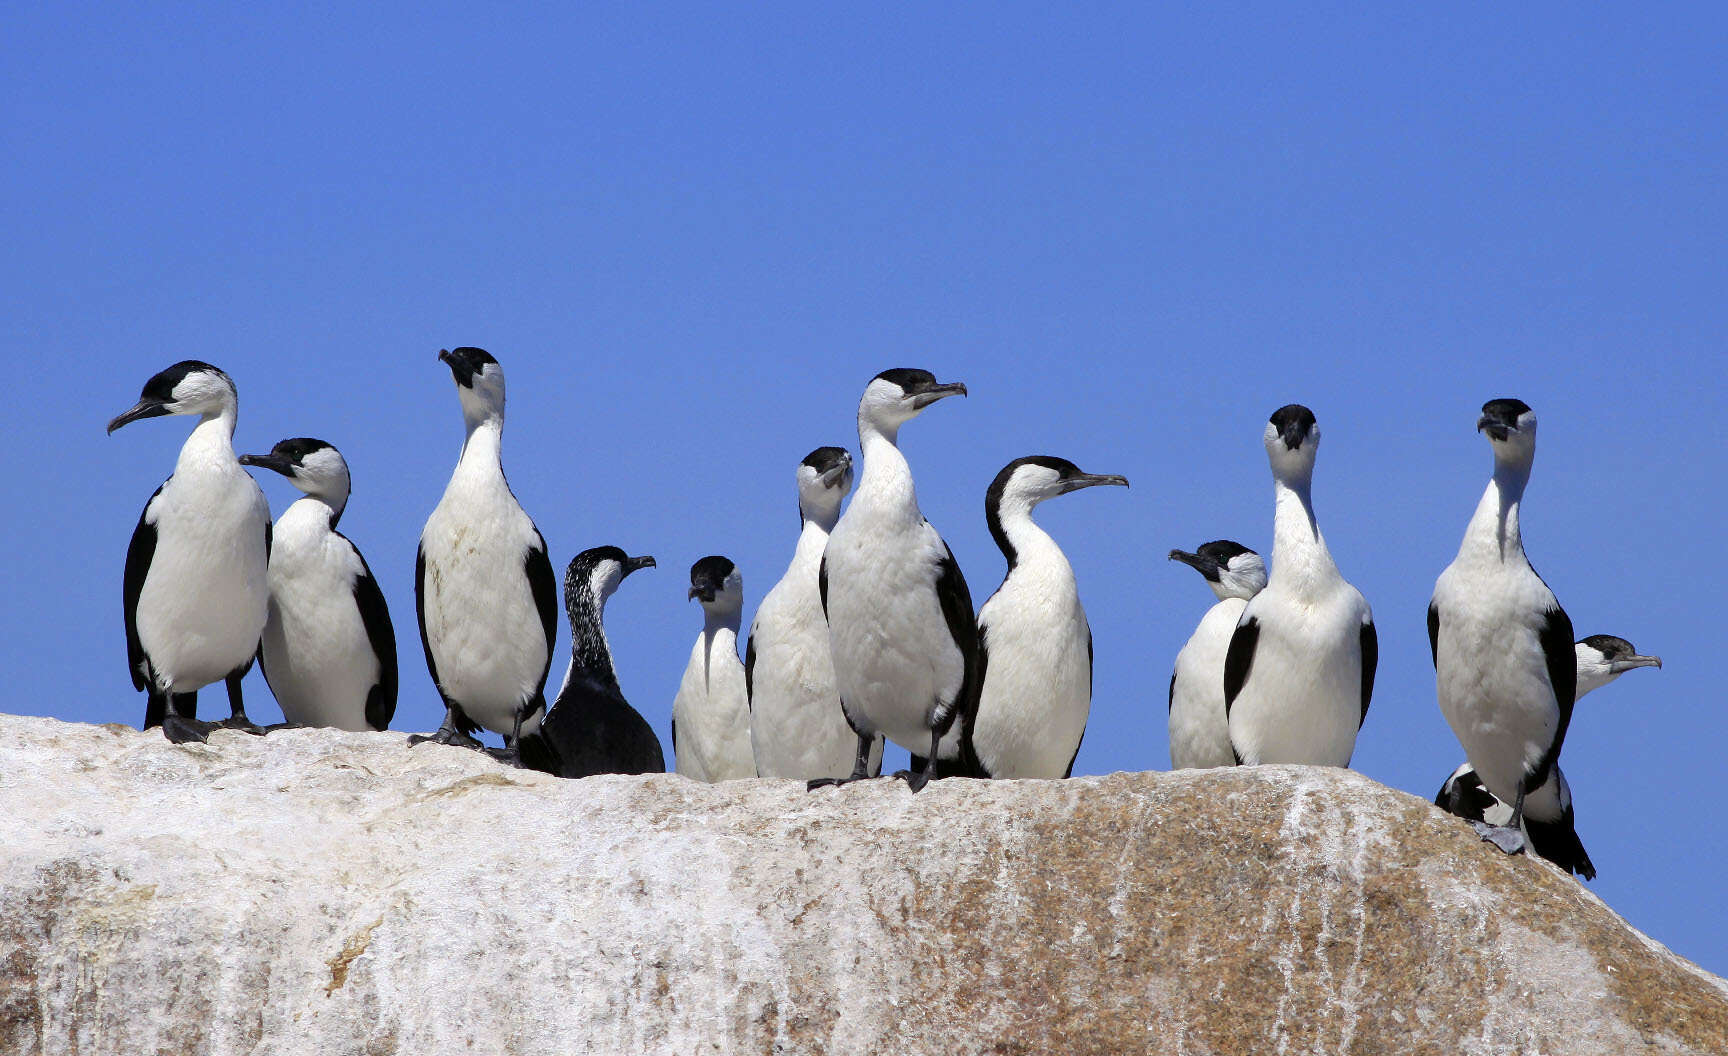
[511, 753]
[238, 720]
[449, 733]
[1508, 837]
[916, 781]
[860, 766]
[182, 728]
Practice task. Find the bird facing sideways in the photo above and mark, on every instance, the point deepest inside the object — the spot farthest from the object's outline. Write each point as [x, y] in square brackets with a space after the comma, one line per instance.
[900, 621]
[329, 650]
[1505, 670]
[1299, 672]
[796, 725]
[1034, 643]
[1199, 727]
[1602, 658]
[196, 587]
[711, 713]
[483, 585]
[591, 728]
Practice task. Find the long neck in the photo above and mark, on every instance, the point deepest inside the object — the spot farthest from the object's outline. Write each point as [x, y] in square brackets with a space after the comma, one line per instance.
[311, 512]
[1493, 532]
[811, 542]
[1022, 542]
[482, 450]
[212, 440]
[1299, 554]
[719, 632]
[885, 485]
[589, 651]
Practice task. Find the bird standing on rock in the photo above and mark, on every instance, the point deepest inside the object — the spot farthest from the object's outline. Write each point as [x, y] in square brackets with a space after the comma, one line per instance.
[1300, 668]
[591, 728]
[711, 713]
[483, 585]
[1505, 669]
[329, 650]
[1034, 643]
[1548, 816]
[1199, 725]
[900, 621]
[196, 590]
[796, 724]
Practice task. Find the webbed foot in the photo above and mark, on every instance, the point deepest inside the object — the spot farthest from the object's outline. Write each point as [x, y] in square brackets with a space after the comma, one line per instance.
[239, 721]
[181, 730]
[445, 736]
[507, 756]
[1504, 837]
[915, 779]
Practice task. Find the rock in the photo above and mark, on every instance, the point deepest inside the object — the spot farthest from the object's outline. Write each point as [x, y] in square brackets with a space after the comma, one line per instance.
[320, 892]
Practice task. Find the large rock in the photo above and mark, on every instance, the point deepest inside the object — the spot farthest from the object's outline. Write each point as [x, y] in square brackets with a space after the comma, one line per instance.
[329, 893]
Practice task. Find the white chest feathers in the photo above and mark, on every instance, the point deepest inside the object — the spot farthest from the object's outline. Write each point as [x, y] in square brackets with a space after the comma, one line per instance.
[1199, 731]
[1038, 669]
[317, 656]
[203, 603]
[711, 714]
[483, 626]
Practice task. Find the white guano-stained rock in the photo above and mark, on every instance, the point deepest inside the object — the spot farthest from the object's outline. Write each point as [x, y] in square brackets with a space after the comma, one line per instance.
[317, 892]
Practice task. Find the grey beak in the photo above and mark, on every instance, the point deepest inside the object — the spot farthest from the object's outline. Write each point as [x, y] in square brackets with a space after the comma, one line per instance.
[142, 409]
[634, 564]
[1203, 565]
[836, 474]
[937, 392]
[1092, 480]
[274, 462]
[1629, 662]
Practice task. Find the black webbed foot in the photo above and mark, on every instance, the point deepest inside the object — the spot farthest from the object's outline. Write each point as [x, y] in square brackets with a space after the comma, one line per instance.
[181, 730]
[278, 727]
[915, 779]
[445, 736]
[508, 756]
[239, 721]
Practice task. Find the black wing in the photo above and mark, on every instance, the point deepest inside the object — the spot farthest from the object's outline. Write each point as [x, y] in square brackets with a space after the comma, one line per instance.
[420, 614]
[375, 617]
[1239, 660]
[1089, 664]
[1370, 660]
[1562, 659]
[750, 669]
[1070, 771]
[1465, 797]
[1172, 705]
[1434, 633]
[956, 602]
[822, 583]
[138, 556]
[545, 588]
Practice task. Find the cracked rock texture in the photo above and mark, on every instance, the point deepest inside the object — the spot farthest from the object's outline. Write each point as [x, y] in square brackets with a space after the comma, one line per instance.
[327, 893]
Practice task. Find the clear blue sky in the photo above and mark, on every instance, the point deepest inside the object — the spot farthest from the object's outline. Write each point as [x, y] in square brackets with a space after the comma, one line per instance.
[691, 236]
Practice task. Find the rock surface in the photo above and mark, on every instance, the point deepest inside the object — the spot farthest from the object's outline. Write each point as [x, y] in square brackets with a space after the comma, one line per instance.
[331, 893]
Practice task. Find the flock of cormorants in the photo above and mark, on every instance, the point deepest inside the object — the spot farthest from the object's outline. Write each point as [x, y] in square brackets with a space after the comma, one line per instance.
[870, 634]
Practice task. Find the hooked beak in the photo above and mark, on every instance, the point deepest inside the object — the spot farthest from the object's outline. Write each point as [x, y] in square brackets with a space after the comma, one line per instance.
[635, 564]
[1203, 565]
[1629, 662]
[703, 592]
[1092, 480]
[274, 462]
[1497, 428]
[835, 474]
[937, 392]
[145, 408]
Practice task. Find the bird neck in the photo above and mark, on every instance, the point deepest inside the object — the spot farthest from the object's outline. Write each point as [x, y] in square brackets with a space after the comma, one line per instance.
[310, 513]
[823, 516]
[812, 540]
[885, 485]
[482, 451]
[212, 441]
[720, 622]
[1020, 539]
[1494, 533]
[719, 633]
[1299, 554]
[590, 653]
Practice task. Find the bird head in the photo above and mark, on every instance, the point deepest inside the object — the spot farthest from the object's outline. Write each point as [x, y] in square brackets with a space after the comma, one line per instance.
[188, 387]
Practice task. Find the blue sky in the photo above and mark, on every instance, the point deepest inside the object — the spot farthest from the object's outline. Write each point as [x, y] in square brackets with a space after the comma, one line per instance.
[692, 235]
